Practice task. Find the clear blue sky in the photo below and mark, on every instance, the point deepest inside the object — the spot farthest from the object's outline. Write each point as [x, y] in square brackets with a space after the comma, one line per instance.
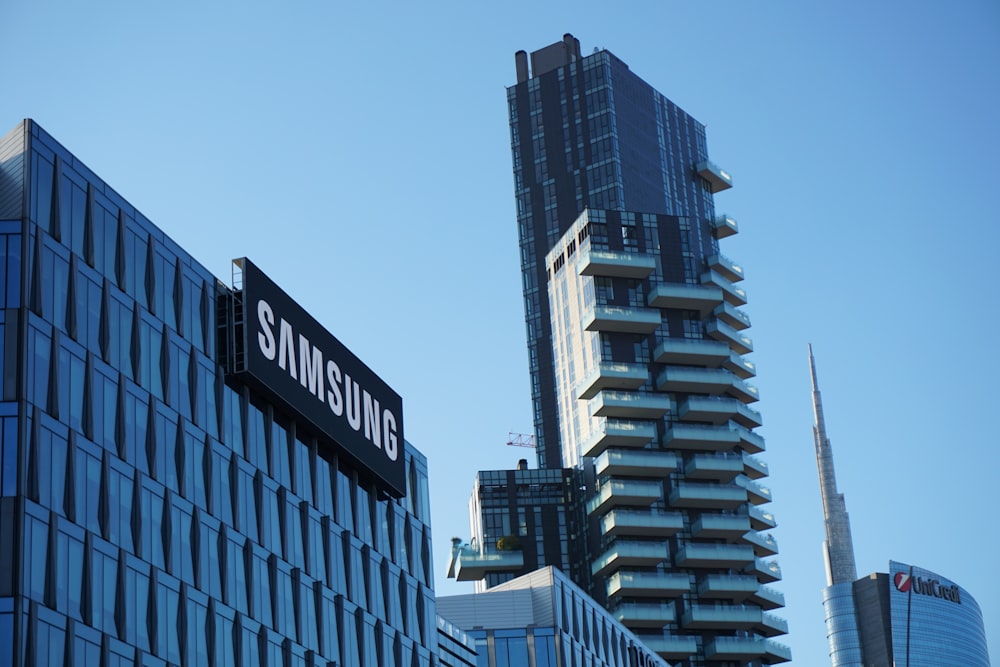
[359, 154]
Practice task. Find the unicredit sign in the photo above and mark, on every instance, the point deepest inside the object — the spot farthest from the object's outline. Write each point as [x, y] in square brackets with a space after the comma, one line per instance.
[906, 583]
[303, 367]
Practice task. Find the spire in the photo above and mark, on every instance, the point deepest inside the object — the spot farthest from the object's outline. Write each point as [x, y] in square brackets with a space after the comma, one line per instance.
[838, 547]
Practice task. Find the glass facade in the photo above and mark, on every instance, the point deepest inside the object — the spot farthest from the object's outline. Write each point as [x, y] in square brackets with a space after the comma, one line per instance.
[586, 132]
[934, 621]
[538, 511]
[637, 351]
[543, 619]
[154, 511]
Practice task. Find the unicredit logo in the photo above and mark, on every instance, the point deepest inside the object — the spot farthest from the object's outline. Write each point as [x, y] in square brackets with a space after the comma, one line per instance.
[930, 587]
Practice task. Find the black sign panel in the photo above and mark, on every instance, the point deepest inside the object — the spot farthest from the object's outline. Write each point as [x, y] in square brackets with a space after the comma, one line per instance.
[301, 365]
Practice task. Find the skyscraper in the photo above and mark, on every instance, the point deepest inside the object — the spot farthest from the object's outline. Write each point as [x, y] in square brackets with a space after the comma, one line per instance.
[636, 346]
[910, 616]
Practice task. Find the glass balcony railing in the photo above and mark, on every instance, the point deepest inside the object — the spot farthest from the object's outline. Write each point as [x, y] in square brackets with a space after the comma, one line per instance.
[636, 405]
[719, 467]
[618, 433]
[692, 495]
[772, 626]
[702, 298]
[625, 553]
[624, 492]
[692, 352]
[724, 226]
[763, 544]
[699, 437]
[739, 366]
[714, 555]
[720, 617]
[637, 523]
[749, 441]
[768, 598]
[725, 267]
[636, 463]
[616, 264]
[622, 319]
[647, 584]
[753, 467]
[732, 316]
[721, 331]
[471, 564]
[737, 296]
[714, 409]
[757, 492]
[736, 587]
[717, 179]
[767, 571]
[612, 376]
[720, 526]
[761, 519]
[644, 614]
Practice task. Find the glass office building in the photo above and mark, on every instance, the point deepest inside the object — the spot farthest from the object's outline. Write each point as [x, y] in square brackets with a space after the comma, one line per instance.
[523, 520]
[162, 500]
[543, 619]
[637, 349]
[912, 617]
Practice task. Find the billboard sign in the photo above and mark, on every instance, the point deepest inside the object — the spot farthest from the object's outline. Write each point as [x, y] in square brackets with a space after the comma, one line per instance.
[303, 367]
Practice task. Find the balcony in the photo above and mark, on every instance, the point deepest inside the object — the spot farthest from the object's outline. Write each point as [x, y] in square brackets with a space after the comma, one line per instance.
[707, 496]
[710, 353]
[767, 571]
[726, 268]
[763, 544]
[624, 553]
[702, 298]
[612, 376]
[712, 409]
[739, 366]
[735, 587]
[629, 404]
[636, 523]
[743, 391]
[636, 463]
[615, 264]
[772, 626]
[753, 467]
[723, 227]
[624, 492]
[775, 653]
[670, 648]
[470, 564]
[757, 493]
[761, 519]
[618, 433]
[621, 319]
[719, 617]
[729, 527]
[715, 556]
[732, 294]
[747, 417]
[702, 438]
[721, 467]
[736, 341]
[686, 380]
[768, 598]
[644, 614]
[732, 316]
[718, 180]
[647, 584]
[750, 442]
